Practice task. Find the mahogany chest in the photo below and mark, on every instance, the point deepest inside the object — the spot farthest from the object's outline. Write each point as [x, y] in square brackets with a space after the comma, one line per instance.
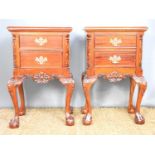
[41, 53]
[114, 53]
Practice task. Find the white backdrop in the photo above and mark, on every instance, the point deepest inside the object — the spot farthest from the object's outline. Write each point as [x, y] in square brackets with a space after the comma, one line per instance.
[77, 13]
[53, 94]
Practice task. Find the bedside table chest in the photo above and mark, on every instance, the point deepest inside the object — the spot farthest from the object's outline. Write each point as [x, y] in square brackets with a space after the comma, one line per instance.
[114, 53]
[41, 53]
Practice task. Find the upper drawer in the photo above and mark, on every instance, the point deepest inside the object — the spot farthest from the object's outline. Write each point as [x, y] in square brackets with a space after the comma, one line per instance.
[41, 41]
[114, 40]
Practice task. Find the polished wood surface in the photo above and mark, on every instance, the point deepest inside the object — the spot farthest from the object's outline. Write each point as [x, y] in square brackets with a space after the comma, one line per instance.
[41, 59]
[114, 53]
[54, 41]
[102, 59]
[102, 40]
[41, 53]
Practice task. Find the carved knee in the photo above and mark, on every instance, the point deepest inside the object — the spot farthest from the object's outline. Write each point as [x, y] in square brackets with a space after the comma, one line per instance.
[11, 85]
[88, 82]
[140, 80]
[13, 82]
[68, 82]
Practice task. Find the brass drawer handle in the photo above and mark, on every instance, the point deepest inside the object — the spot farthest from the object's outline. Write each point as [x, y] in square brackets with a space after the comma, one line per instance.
[40, 41]
[115, 59]
[41, 60]
[115, 41]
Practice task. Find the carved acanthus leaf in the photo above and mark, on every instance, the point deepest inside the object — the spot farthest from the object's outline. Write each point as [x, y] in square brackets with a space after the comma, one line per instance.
[89, 80]
[115, 76]
[66, 80]
[16, 81]
[41, 77]
[139, 80]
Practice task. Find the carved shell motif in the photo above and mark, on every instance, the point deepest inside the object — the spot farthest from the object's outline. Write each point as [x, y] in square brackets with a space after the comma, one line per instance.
[115, 76]
[41, 77]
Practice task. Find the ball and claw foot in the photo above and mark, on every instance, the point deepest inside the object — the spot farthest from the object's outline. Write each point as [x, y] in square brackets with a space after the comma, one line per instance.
[14, 123]
[69, 119]
[131, 110]
[139, 119]
[87, 119]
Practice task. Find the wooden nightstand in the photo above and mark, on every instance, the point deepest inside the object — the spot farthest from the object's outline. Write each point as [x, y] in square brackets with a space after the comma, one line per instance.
[114, 53]
[41, 53]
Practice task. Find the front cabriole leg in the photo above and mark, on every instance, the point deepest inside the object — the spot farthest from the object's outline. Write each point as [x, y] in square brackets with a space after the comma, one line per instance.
[87, 84]
[131, 108]
[69, 84]
[142, 85]
[21, 94]
[84, 108]
[13, 84]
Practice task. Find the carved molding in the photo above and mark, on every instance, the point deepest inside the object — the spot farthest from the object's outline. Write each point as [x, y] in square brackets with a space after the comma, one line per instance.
[140, 80]
[140, 47]
[66, 80]
[41, 77]
[89, 38]
[14, 50]
[112, 77]
[89, 80]
[115, 76]
[67, 51]
[16, 81]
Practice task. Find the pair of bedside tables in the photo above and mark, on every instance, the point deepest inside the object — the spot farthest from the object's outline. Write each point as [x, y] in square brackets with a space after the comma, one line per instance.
[42, 53]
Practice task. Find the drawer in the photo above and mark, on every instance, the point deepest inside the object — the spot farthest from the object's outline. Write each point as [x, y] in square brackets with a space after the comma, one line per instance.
[114, 60]
[112, 40]
[41, 59]
[41, 41]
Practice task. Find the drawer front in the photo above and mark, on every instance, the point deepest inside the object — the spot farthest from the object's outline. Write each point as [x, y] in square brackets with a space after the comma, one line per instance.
[41, 60]
[112, 40]
[41, 41]
[114, 60]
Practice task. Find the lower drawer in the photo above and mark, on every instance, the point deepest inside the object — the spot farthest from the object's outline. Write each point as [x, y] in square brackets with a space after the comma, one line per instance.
[114, 60]
[41, 59]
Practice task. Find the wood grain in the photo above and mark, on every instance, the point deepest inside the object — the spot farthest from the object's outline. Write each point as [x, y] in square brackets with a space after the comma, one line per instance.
[115, 53]
[39, 53]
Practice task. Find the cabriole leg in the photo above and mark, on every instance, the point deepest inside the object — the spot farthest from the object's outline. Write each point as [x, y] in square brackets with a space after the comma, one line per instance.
[21, 94]
[142, 85]
[87, 84]
[13, 84]
[132, 88]
[84, 108]
[69, 84]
